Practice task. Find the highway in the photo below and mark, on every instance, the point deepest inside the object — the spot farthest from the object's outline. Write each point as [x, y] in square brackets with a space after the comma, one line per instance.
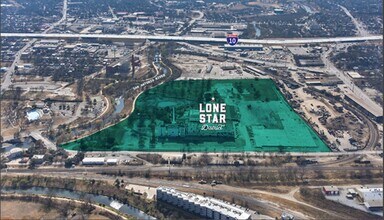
[127, 37]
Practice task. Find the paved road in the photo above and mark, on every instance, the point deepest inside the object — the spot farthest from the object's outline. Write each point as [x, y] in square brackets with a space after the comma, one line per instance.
[49, 144]
[363, 97]
[122, 37]
[361, 31]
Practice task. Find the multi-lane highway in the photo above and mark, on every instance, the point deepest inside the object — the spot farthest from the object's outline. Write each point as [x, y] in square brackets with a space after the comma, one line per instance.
[126, 37]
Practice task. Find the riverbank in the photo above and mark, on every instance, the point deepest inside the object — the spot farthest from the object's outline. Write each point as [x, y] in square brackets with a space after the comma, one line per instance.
[20, 206]
[110, 190]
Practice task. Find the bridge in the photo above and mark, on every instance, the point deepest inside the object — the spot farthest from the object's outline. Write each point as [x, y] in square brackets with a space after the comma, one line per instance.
[128, 37]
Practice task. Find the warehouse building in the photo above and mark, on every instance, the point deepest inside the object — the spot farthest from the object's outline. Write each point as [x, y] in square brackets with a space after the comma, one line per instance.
[373, 111]
[112, 161]
[203, 206]
[372, 198]
[93, 161]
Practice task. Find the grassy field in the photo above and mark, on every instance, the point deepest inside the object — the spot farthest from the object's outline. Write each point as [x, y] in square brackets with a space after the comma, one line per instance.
[166, 118]
[26, 210]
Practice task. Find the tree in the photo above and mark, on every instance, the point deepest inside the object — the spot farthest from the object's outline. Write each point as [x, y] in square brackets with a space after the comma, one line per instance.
[204, 159]
[302, 172]
[32, 164]
[65, 208]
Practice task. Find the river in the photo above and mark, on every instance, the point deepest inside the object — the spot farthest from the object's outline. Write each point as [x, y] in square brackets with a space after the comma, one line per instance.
[96, 199]
[119, 105]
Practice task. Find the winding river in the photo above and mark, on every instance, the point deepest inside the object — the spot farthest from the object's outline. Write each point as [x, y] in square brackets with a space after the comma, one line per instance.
[96, 199]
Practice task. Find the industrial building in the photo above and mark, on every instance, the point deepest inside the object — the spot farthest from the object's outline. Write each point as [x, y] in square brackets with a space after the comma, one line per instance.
[112, 161]
[331, 190]
[372, 198]
[354, 75]
[93, 161]
[373, 111]
[203, 206]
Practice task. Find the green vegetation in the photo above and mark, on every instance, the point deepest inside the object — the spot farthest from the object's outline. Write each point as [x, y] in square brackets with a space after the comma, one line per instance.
[257, 119]
[92, 186]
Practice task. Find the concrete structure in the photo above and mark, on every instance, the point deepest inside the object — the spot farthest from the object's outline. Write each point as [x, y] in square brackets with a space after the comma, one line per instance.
[124, 37]
[257, 47]
[253, 70]
[203, 206]
[331, 190]
[371, 197]
[93, 161]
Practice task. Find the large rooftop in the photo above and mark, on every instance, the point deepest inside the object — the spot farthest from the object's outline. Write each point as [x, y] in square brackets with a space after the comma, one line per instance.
[223, 207]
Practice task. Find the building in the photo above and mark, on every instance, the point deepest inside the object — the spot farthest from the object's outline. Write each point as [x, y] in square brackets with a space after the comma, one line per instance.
[93, 161]
[331, 190]
[354, 75]
[203, 206]
[14, 153]
[277, 47]
[38, 158]
[118, 69]
[372, 198]
[373, 111]
[278, 11]
[112, 161]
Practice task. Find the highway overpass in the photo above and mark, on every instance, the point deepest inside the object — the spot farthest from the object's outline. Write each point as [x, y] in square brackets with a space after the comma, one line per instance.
[126, 37]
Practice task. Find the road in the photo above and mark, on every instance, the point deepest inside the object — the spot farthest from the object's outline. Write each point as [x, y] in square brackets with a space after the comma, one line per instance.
[212, 169]
[130, 37]
[361, 31]
[8, 75]
[360, 94]
[49, 144]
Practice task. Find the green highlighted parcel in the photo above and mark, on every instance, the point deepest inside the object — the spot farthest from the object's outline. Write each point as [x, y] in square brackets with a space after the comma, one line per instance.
[166, 118]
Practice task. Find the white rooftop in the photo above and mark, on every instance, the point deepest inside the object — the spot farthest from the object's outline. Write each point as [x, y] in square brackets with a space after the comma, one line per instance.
[211, 203]
[93, 159]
